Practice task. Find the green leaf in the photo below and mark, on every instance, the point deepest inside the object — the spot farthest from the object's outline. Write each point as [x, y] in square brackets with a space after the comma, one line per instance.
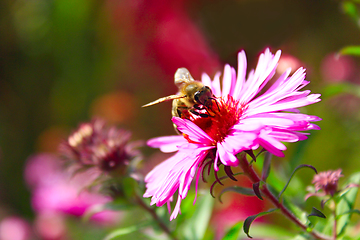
[256, 188]
[131, 185]
[349, 212]
[350, 9]
[345, 87]
[298, 212]
[346, 203]
[249, 220]
[222, 178]
[124, 231]
[335, 89]
[234, 232]
[292, 174]
[237, 189]
[316, 213]
[350, 50]
[195, 227]
[268, 231]
[260, 231]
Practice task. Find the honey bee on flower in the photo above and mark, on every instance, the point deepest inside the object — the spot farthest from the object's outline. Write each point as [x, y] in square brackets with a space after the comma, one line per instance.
[243, 120]
[193, 97]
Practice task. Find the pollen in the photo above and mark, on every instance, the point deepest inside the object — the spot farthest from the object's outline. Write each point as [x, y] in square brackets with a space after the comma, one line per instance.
[225, 114]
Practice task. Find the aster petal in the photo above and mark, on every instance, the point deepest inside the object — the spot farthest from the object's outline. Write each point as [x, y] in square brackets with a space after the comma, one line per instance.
[216, 160]
[174, 174]
[227, 158]
[286, 136]
[284, 95]
[176, 210]
[290, 103]
[242, 64]
[239, 141]
[215, 85]
[195, 146]
[229, 80]
[264, 71]
[271, 144]
[195, 133]
[205, 79]
[167, 143]
[263, 120]
[297, 116]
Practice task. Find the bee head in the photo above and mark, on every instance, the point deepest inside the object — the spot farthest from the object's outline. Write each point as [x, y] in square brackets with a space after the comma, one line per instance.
[204, 96]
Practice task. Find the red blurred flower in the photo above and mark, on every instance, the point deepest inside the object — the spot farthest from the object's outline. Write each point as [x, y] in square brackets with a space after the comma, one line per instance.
[162, 30]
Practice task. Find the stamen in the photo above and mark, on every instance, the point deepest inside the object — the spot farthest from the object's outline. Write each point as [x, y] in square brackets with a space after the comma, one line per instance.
[227, 113]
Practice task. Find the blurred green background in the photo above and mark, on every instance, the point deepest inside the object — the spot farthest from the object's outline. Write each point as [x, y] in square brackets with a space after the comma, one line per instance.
[64, 61]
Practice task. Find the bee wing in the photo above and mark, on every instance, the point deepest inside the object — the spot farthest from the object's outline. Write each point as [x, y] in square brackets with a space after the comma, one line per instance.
[182, 75]
[164, 99]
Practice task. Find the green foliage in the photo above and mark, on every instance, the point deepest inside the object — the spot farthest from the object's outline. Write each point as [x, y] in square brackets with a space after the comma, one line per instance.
[196, 225]
[248, 221]
[116, 234]
[350, 50]
[234, 232]
[345, 204]
[316, 213]
[292, 174]
[237, 189]
[350, 8]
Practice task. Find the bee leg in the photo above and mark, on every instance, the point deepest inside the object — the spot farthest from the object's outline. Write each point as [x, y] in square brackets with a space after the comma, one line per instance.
[198, 107]
[216, 104]
[199, 114]
[180, 111]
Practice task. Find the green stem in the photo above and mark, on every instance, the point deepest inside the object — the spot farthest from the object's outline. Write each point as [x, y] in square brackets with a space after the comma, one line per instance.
[155, 217]
[254, 177]
[335, 222]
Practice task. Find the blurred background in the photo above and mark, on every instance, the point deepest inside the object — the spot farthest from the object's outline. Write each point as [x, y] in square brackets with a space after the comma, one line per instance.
[63, 62]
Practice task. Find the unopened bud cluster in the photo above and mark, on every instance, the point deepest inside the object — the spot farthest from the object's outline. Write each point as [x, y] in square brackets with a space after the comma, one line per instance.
[95, 144]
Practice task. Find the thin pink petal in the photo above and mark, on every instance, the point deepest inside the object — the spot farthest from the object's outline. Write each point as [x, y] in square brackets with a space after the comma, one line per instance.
[195, 133]
[167, 143]
[229, 80]
[271, 144]
[242, 65]
[228, 159]
[215, 85]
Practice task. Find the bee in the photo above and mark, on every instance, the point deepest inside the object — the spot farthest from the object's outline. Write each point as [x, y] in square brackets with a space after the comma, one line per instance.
[193, 97]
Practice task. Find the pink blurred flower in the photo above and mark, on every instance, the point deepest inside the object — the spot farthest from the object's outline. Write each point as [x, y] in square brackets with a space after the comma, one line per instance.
[56, 190]
[337, 68]
[243, 121]
[288, 61]
[51, 226]
[326, 183]
[14, 228]
[94, 144]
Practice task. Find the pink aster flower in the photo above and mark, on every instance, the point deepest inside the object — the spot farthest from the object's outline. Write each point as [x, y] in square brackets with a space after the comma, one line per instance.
[249, 115]
[326, 184]
[55, 190]
[327, 181]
